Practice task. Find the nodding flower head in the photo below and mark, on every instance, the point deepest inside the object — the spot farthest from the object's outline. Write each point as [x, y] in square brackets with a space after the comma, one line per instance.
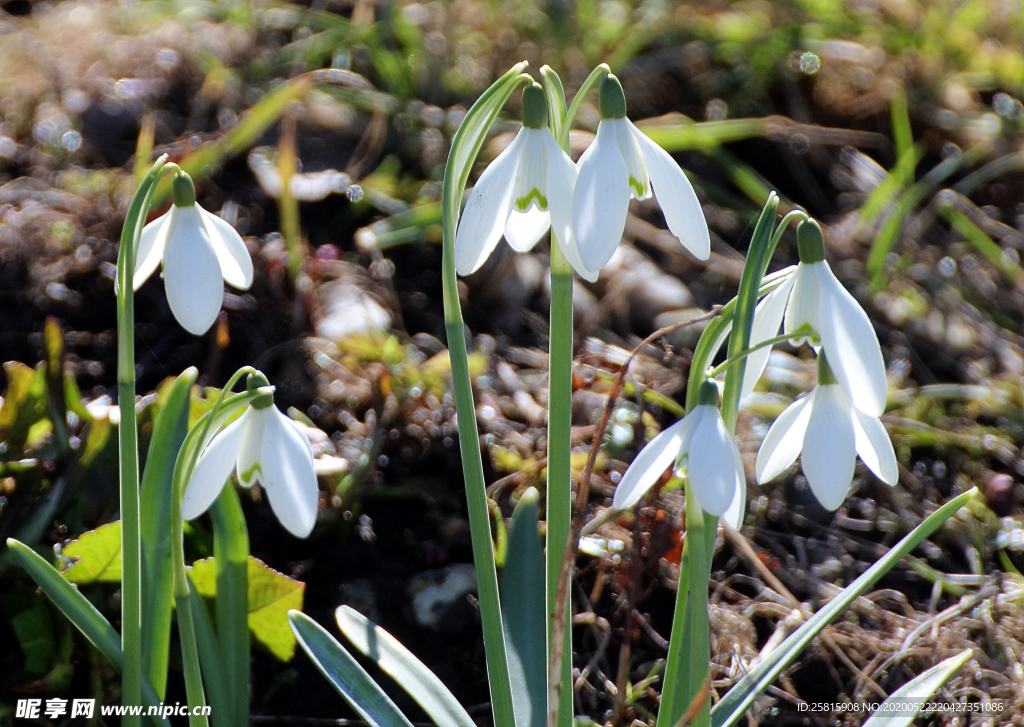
[264, 447]
[199, 252]
[621, 163]
[828, 433]
[701, 444]
[525, 191]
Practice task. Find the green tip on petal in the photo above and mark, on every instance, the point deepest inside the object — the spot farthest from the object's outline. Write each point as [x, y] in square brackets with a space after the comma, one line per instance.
[535, 107]
[255, 382]
[183, 192]
[611, 99]
[708, 394]
[810, 243]
[825, 375]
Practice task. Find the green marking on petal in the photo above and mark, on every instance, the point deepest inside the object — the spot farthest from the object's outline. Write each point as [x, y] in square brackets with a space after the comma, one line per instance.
[249, 475]
[638, 187]
[523, 203]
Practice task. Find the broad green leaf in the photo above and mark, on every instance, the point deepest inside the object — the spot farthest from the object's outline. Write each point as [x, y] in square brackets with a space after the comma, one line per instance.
[270, 595]
[169, 432]
[734, 704]
[523, 614]
[399, 663]
[231, 553]
[95, 555]
[342, 671]
[81, 613]
[912, 695]
[32, 626]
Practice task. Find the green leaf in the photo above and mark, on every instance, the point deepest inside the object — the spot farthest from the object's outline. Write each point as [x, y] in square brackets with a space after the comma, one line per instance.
[231, 553]
[399, 663]
[24, 405]
[270, 596]
[523, 612]
[342, 671]
[95, 555]
[32, 626]
[81, 613]
[169, 432]
[734, 704]
[912, 695]
[210, 661]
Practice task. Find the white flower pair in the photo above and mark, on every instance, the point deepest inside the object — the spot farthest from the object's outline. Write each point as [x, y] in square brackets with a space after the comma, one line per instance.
[533, 186]
[266, 447]
[199, 252]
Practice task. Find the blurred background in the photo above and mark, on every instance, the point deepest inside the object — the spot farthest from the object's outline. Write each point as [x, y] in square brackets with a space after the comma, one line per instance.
[320, 131]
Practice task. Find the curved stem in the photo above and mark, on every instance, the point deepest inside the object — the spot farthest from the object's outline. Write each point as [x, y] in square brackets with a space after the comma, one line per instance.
[595, 75]
[747, 351]
[128, 448]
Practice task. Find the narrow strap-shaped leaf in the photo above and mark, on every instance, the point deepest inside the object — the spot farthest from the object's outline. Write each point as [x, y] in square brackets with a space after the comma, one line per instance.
[345, 674]
[231, 553]
[523, 612]
[401, 665]
[912, 695]
[735, 703]
[211, 661]
[155, 522]
[81, 613]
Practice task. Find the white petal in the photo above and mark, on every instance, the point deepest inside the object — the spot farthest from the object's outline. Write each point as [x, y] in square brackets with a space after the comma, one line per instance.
[487, 209]
[213, 469]
[850, 344]
[875, 447]
[151, 247]
[829, 452]
[288, 474]
[235, 263]
[804, 300]
[650, 464]
[249, 464]
[525, 229]
[600, 200]
[679, 203]
[711, 461]
[767, 322]
[784, 440]
[636, 171]
[192, 277]
[560, 183]
[733, 515]
[532, 171]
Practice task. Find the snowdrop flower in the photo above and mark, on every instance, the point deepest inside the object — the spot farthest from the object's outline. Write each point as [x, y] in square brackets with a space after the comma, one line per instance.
[525, 191]
[264, 446]
[701, 443]
[620, 163]
[812, 299]
[198, 251]
[828, 432]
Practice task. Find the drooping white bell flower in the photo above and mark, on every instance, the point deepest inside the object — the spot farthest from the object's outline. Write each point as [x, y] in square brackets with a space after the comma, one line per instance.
[266, 447]
[620, 163]
[199, 252]
[525, 191]
[828, 433]
[813, 299]
[700, 443]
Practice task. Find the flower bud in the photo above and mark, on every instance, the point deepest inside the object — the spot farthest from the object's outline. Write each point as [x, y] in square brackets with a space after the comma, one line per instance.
[810, 243]
[183, 192]
[535, 107]
[611, 99]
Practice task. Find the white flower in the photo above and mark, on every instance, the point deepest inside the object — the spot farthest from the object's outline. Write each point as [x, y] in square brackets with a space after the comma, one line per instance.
[525, 191]
[830, 433]
[265, 447]
[813, 299]
[701, 443]
[199, 251]
[622, 162]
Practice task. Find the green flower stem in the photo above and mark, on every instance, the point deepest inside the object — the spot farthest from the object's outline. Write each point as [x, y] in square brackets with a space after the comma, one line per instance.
[595, 76]
[559, 485]
[465, 147]
[747, 351]
[188, 456]
[128, 447]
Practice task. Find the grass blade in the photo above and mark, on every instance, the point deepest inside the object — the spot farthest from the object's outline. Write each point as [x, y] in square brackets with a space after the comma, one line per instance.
[342, 671]
[916, 692]
[735, 703]
[210, 661]
[81, 613]
[155, 521]
[401, 665]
